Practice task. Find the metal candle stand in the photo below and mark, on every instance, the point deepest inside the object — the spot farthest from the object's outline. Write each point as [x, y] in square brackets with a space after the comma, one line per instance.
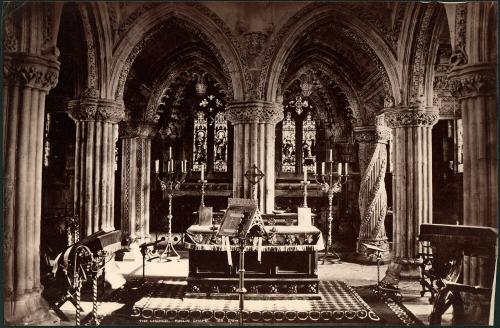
[305, 183]
[381, 290]
[172, 181]
[95, 267]
[331, 183]
[203, 184]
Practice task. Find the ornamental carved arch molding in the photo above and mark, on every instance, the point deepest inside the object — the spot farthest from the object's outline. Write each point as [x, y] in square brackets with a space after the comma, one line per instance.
[98, 40]
[420, 49]
[360, 33]
[321, 69]
[193, 65]
[135, 35]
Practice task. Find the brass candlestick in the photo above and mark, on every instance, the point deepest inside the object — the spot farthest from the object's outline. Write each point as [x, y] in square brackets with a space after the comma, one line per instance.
[305, 183]
[171, 181]
[331, 183]
[203, 184]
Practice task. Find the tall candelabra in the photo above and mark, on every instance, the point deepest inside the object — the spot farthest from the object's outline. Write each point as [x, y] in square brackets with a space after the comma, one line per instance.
[203, 183]
[169, 182]
[331, 183]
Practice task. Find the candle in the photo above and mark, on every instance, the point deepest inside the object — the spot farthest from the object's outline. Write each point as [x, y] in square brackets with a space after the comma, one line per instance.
[169, 152]
[331, 155]
[305, 174]
[157, 166]
[322, 167]
[346, 165]
[339, 169]
[182, 166]
[202, 172]
[168, 166]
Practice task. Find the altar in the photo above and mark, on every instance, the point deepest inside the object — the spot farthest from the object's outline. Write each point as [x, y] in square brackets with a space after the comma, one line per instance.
[288, 261]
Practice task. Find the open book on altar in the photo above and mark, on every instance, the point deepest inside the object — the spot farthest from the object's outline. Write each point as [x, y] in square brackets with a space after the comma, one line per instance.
[241, 216]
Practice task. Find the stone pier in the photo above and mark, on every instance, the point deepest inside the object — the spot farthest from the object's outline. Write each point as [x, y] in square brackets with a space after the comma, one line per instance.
[412, 183]
[475, 87]
[27, 80]
[96, 135]
[372, 199]
[136, 179]
[254, 143]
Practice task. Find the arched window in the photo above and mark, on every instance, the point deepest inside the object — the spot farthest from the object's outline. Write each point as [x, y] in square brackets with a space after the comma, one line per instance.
[199, 140]
[210, 123]
[298, 136]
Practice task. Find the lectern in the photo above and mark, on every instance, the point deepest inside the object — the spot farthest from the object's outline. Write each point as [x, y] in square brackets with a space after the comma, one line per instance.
[243, 221]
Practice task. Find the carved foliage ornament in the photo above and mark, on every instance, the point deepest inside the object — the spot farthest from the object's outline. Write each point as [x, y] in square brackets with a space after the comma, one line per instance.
[409, 118]
[93, 109]
[31, 71]
[373, 134]
[254, 112]
[137, 130]
[459, 56]
[473, 81]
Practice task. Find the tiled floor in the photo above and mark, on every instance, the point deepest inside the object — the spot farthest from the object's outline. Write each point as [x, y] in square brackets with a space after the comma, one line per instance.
[353, 274]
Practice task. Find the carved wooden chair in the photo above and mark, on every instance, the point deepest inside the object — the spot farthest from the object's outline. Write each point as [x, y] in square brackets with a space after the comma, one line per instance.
[441, 273]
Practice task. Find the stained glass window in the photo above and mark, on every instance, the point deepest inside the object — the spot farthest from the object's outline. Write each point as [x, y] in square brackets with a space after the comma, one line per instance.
[220, 143]
[288, 148]
[309, 144]
[199, 141]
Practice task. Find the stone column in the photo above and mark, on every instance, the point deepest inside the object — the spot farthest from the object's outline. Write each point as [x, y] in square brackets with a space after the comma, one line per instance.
[136, 179]
[372, 199]
[412, 186]
[474, 85]
[27, 80]
[96, 135]
[254, 142]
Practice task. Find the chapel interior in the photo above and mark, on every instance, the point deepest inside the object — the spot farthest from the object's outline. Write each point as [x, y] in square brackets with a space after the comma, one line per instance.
[354, 143]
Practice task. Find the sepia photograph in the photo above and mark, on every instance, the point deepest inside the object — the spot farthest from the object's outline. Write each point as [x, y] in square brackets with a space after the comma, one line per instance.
[249, 163]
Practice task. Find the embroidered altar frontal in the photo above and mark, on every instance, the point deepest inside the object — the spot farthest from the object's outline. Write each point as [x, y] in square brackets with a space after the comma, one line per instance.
[283, 263]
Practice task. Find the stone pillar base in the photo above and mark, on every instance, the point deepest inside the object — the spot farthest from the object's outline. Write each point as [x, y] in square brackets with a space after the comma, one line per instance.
[401, 271]
[369, 256]
[362, 258]
[30, 310]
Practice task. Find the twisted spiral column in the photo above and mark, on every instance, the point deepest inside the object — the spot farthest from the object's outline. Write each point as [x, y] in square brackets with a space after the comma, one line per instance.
[27, 80]
[254, 124]
[372, 193]
[136, 177]
[96, 135]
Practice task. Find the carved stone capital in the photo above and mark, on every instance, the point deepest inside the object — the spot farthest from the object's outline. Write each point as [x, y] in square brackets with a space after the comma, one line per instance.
[95, 109]
[372, 134]
[254, 112]
[140, 129]
[31, 71]
[405, 117]
[473, 80]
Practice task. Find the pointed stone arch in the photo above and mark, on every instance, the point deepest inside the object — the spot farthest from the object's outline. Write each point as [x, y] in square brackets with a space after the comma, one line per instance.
[202, 23]
[309, 18]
